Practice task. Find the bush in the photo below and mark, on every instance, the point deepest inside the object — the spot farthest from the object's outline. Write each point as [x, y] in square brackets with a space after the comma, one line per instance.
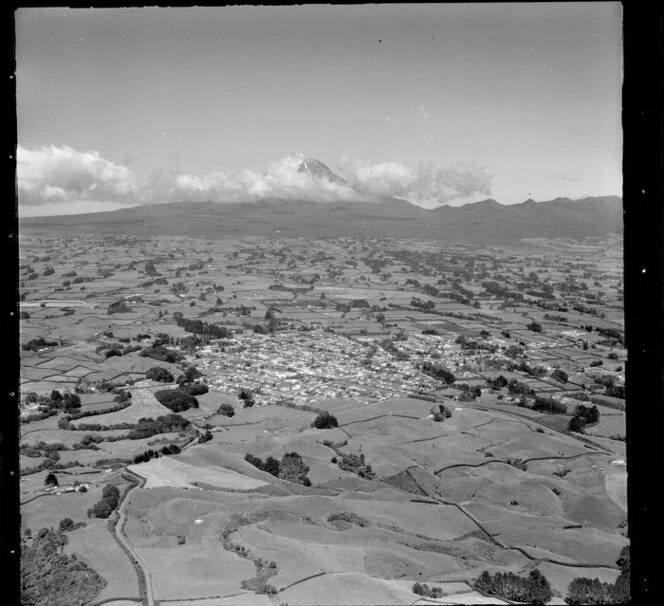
[66, 524]
[226, 410]
[325, 420]
[176, 400]
[560, 375]
[51, 480]
[583, 415]
[118, 307]
[534, 326]
[157, 373]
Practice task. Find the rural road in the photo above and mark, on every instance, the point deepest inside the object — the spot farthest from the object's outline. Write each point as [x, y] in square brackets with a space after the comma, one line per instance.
[147, 574]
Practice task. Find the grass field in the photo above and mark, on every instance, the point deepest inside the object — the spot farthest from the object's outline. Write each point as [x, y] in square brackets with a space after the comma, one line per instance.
[97, 547]
[168, 471]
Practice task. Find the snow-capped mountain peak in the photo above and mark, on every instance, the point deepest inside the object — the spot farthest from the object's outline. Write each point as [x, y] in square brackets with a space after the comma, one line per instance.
[301, 163]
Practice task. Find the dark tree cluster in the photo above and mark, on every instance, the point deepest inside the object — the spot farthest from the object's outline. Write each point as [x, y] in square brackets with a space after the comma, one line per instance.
[291, 467]
[247, 397]
[202, 329]
[37, 344]
[161, 353]
[468, 392]
[438, 372]
[50, 577]
[158, 373]
[497, 383]
[517, 387]
[147, 427]
[533, 589]
[534, 326]
[325, 420]
[195, 389]
[428, 592]
[176, 400]
[150, 454]
[226, 409]
[583, 590]
[549, 406]
[560, 375]
[441, 414]
[110, 499]
[583, 415]
[357, 465]
[118, 307]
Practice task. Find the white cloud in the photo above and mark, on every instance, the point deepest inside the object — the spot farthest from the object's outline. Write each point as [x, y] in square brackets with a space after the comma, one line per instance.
[427, 186]
[61, 174]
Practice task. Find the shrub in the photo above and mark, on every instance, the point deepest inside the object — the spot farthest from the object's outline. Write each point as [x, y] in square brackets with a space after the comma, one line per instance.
[247, 397]
[498, 383]
[226, 410]
[51, 480]
[325, 420]
[176, 400]
[560, 375]
[534, 326]
[157, 373]
[118, 307]
[66, 524]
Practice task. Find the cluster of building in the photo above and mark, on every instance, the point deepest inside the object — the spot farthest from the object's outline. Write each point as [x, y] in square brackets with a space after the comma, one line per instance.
[305, 366]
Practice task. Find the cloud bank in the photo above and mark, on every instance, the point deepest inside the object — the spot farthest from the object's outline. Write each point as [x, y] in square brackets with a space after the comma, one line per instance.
[52, 175]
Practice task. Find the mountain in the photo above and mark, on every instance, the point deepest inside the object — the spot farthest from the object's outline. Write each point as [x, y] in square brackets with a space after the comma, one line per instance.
[485, 223]
[301, 163]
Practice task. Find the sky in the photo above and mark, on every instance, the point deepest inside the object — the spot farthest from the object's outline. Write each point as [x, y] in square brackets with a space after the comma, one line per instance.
[437, 104]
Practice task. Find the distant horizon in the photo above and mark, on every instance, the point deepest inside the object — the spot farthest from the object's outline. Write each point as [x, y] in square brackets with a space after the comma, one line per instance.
[438, 104]
[98, 207]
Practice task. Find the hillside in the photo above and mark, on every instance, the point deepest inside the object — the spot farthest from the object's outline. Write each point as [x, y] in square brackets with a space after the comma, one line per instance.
[486, 222]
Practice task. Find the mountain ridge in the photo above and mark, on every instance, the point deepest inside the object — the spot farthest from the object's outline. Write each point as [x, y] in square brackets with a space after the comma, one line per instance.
[485, 222]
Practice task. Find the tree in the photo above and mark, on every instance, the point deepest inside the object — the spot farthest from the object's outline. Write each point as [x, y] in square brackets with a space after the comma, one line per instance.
[325, 420]
[560, 375]
[271, 466]
[226, 410]
[158, 373]
[588, 591]
[293, 468]
[621, 590]
[576, 424]
[66, 524]
[51, 480]
[176, 400]
[534, 326]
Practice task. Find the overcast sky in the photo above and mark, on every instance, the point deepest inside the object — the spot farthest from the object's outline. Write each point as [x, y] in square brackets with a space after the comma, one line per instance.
[434, 103]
